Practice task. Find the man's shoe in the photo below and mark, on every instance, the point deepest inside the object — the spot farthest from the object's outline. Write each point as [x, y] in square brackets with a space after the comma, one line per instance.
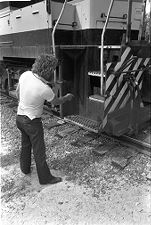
[26, 172]
[54, 180]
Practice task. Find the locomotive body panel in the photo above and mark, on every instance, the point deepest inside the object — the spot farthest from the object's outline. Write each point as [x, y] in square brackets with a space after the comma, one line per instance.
[92, 14]
[26, 32]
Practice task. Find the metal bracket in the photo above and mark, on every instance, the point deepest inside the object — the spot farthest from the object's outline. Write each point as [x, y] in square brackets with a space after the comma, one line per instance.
[114, 17]
[74, 24]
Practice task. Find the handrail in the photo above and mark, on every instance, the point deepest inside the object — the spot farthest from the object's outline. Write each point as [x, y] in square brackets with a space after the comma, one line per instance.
[53, 33]
[141, 34]
[102, 44]
[55, 26]
[128, 29]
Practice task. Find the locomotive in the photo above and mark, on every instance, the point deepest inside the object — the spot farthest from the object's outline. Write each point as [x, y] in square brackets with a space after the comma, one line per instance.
[104, 60]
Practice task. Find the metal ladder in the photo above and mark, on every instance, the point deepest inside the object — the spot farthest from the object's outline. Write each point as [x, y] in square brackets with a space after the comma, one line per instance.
[82, 121]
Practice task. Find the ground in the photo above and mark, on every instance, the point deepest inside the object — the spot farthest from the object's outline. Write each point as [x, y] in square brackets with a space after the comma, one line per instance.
[93, 191]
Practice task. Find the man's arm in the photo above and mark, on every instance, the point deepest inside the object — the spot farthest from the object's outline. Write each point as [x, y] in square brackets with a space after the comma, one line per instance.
[61, 100]
[17, 91]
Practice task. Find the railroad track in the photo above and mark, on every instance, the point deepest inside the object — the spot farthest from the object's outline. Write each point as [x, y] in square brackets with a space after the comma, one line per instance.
[142, 145]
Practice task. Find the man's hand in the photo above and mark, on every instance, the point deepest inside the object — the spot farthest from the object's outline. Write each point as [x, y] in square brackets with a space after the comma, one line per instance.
[63, 99]
[69, 97]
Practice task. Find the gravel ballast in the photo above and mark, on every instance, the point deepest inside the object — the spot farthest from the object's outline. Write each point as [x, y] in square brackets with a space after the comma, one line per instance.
[94, 190]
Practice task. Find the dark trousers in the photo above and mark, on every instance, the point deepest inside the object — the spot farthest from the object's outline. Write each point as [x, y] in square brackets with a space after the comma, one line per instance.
[32, 137]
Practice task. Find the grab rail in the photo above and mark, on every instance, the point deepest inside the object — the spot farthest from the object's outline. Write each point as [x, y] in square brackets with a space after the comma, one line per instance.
[102, 44]
[55, 26]
[53, 33]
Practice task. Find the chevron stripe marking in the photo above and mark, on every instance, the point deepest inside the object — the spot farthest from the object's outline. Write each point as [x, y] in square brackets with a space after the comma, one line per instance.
[111, 81]
[126, 98]
[126, 55]
[123, 58]
[139, 78]
[114, 89]
[145, 63]
[124, 92]
[108, 65]
[120, 88]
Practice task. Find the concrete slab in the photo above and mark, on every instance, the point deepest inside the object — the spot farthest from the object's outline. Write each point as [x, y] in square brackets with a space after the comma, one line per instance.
[52, 124]
[67, 131]
[120, 162]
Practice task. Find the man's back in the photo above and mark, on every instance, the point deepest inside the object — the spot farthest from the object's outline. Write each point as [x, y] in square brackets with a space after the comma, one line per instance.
[33, 92]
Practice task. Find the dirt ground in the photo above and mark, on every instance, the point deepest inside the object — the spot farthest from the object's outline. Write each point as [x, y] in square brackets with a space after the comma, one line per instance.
[93, 192]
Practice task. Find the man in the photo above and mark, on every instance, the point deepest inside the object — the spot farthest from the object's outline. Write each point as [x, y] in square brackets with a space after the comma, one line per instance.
[32, 91]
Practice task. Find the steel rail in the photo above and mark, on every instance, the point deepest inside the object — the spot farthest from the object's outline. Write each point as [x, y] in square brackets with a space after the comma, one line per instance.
[140, 146]
[139, 142]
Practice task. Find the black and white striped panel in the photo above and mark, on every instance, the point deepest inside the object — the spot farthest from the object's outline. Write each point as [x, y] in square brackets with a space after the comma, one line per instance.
[117, 88]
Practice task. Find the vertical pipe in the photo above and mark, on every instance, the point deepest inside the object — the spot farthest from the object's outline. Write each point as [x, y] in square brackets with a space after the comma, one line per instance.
[102, 44]
[129, 15]
[49, 19]
[54, 52]
[150, 24]
[8, 77]
[53, 34]
[60, 81]
[55, 26]
[141, 35]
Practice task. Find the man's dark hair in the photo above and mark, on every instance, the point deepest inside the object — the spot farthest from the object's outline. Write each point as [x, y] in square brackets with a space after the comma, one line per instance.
[44, 66]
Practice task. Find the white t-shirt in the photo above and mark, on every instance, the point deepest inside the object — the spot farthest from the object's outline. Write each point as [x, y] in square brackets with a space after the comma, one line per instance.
[32, 94]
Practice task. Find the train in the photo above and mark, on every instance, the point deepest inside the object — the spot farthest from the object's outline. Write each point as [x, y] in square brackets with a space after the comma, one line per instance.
[104, 59]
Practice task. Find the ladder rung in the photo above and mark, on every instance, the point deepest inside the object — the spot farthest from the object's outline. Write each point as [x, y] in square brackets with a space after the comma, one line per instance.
[97, 98]
[95, 74]
[111, 46]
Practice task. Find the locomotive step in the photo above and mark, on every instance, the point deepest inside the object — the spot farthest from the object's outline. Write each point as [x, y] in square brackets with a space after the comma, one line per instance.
[83, 122]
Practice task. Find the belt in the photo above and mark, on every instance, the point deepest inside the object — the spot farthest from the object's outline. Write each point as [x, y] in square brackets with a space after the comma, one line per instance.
[36, 118]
